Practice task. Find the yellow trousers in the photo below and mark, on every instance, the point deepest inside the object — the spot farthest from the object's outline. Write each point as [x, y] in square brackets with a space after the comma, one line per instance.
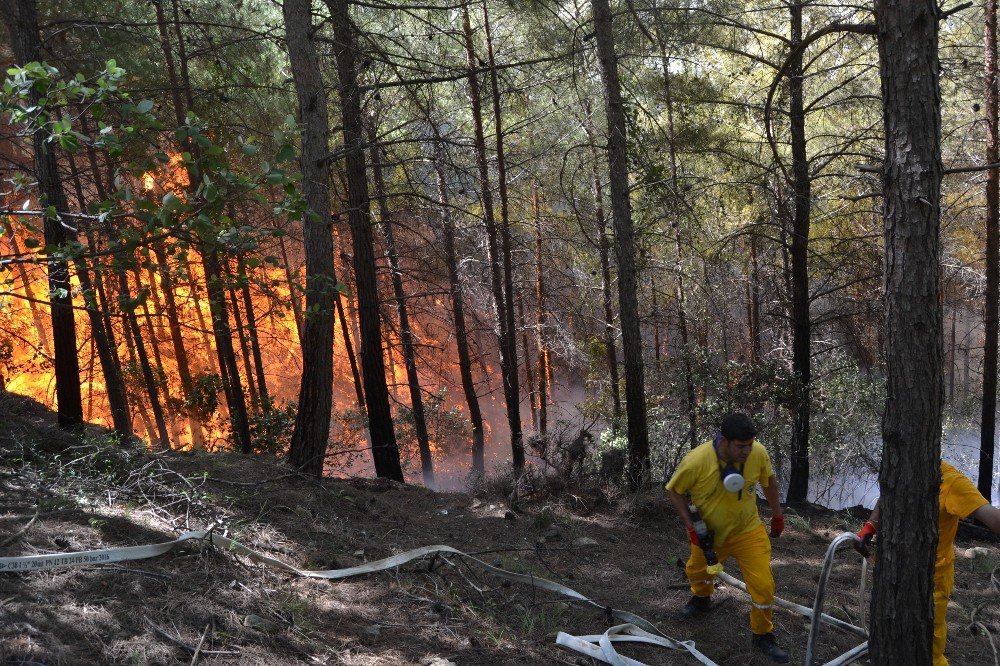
[944, 581]
[752, 551]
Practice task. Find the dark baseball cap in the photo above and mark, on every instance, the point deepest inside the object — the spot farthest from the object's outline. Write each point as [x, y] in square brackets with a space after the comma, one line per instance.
[737, 426]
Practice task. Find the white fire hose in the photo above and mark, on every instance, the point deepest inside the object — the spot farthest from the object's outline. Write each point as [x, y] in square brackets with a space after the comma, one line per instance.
[600, 647]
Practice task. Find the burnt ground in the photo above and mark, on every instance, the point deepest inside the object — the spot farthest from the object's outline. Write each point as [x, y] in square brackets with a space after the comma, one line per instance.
[620, 551]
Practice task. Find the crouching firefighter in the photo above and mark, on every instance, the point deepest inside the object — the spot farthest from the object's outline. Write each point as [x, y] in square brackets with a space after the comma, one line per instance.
[721, 478]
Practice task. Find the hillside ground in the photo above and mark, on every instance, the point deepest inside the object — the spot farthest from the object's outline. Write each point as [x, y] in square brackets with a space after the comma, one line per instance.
[63, 493]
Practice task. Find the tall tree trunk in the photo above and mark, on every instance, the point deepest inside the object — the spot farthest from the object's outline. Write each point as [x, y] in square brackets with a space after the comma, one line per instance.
[349, 349]
[508, 367]
[529, 374]
[753, 300]
[625, 251]
[168, 60]
[203, 326]
[349, 327]
[604, 256]
[540, 320]
[29, 291]
[252, 335]
[177, 86]
[137, 403]
[232, 385]
[242, 337]
[909, 478]
[655, 316]
[512, 391]
[114, 385]
[384, 449]
[405, 332]
[152, 389]
[177, 341]
[987, 445]
[21, 17]
[312, 421]
[104, 304]
[182, 56]
[158, 374]
[293, 284]
[679, 295]
[798, 481]
[458, 310]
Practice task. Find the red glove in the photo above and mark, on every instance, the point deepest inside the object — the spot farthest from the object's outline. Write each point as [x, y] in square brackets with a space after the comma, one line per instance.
[777, 525]
[866, 534]
[693, 536]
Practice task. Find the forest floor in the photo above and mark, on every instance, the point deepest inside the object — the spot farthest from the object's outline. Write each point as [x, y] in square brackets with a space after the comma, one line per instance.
[76, 494]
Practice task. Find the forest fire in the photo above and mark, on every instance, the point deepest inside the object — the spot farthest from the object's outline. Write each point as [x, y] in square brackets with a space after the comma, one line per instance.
[198, 417]
[163, 289]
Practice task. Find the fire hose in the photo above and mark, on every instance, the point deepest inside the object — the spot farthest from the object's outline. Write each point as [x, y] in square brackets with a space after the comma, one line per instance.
[601, 647]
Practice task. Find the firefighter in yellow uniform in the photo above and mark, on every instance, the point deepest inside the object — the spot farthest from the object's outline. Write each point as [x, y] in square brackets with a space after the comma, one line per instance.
[720, 477]
[958, 499]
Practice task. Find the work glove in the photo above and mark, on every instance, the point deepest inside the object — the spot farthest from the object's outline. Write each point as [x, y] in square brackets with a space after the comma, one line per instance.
[866, 534]
[777, 525]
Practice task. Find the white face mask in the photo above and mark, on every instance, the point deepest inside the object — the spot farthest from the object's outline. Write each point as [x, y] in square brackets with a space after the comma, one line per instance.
[732, 480]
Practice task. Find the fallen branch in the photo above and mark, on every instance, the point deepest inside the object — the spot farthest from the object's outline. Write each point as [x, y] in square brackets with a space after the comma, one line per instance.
[201, 641]
[16, 535]
[251, 483]
[159, 631]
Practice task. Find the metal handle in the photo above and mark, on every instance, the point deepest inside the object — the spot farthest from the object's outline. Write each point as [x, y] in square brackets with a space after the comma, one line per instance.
[821, 592]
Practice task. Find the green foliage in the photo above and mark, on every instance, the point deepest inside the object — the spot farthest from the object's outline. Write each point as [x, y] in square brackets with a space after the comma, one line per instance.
[38, 97]
[271, 427]
[204, 399]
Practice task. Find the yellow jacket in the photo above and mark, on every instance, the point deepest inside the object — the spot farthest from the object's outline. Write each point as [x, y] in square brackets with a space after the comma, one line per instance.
[724, 512]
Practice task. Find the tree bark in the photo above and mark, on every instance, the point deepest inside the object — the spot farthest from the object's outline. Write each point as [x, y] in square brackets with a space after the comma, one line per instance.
[21, 17]
[458, 310]
[349, 327]
[384, 448]
[798, 482]
[258, 359]
[152, 389]
[168, 60]
[177, 341]
[312, 421]
[29, 291]
[512, 391]
[241, 335]
[909, 478]
[405, 332]
[753, 300]
[691, 406]
[540, 320]
[508, 366]
[203, 327]
[529, 374]
[114, 385]
[625, 251]
[233, 386]
[292, 286]
[604, 252]
[987, 445]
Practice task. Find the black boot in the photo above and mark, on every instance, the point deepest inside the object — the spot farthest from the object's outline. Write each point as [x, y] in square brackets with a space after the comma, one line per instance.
[696, 606]
[765, 643]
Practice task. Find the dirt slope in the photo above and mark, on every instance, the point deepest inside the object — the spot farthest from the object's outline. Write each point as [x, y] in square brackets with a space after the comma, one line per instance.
[625, 555]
